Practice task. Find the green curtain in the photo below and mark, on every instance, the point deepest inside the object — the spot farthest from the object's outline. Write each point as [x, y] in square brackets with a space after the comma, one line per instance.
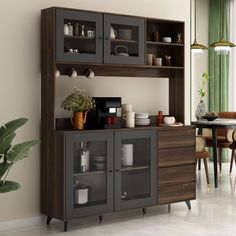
[218, 64]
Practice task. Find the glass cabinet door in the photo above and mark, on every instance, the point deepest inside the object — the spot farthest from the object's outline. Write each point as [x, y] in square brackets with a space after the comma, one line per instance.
[124, 39]
[135, 164]
[89, 173]
[79, 36]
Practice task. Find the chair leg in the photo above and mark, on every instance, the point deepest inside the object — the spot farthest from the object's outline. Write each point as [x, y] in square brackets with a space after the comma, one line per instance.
[206, 170]
[220, 158]
[199, 164]
[231, 161]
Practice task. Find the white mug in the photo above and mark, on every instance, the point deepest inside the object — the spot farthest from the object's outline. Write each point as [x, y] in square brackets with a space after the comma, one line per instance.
[127, 154]
[129, 119]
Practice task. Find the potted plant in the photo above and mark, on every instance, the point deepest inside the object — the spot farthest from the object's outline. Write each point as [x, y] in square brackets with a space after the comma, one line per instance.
[201, 108]
[10, 154]
[79, 103]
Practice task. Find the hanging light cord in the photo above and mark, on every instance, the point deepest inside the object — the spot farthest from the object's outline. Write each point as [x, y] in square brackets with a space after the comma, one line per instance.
[195, 30]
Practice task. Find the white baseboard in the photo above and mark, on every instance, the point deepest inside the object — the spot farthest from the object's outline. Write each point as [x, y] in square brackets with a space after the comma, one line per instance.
[14, 224]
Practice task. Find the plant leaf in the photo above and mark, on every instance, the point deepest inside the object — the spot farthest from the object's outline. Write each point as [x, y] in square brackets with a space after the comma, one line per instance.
[8, 186]
[3, 168]
[10, 127]
[5, 145]
[19, 151]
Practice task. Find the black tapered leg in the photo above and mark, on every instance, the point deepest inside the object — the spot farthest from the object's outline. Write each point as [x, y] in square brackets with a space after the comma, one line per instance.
[220, 158]
[48, 220]
[169, 208]
[65, 226]
[100, 219]
[144, 211]
[214, 145]
[199, 164]
[231, 161]
[188, 204]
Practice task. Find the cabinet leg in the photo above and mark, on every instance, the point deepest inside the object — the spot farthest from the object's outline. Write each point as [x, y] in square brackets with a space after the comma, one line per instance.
[48, 220]
[100, 219]
[65, 226]
[144, 211]
[188, 204]
[169, 208]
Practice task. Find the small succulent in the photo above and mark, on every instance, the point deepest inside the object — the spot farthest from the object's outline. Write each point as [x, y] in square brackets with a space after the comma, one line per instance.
[201, 90]
[78, 101]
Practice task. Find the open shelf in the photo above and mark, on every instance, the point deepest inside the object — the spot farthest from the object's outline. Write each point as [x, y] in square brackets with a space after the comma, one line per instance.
[90, 172]
[123, 41]
[78, 37]
[164, 44]
[134, 168]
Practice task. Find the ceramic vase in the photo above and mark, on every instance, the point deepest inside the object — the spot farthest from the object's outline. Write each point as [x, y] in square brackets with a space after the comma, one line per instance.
[79, 119]
[201, 110]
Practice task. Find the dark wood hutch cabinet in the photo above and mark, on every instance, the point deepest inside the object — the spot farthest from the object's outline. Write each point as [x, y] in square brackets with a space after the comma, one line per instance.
[92, 47]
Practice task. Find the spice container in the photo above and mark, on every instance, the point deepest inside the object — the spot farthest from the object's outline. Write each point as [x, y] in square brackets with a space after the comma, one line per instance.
[66, 29]
[80, 193]
[160, 118]
[70, 29]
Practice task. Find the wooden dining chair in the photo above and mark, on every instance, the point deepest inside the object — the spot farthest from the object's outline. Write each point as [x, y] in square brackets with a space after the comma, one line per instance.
[233, 148]
[224, 136]
[202, 154]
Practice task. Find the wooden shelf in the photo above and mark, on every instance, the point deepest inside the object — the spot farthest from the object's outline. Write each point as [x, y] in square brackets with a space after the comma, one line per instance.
[78, 37]
[123, 41]
[134, 168]
[90, 172]
[164, 44]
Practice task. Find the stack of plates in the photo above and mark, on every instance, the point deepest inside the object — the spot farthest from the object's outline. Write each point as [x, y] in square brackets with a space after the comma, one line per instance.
[100, 162]
[141, 119]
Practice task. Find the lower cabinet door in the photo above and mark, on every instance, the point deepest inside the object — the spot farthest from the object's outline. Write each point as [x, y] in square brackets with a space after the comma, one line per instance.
[89, 173]
[176, 193]
[135, 169]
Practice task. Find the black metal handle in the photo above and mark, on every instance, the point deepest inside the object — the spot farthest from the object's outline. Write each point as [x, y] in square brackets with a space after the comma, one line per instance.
[117, 170]
[100, 37]
[110, 171]
[106, 38]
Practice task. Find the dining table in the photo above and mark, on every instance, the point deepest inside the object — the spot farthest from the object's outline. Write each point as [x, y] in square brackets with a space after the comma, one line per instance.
[213, 126]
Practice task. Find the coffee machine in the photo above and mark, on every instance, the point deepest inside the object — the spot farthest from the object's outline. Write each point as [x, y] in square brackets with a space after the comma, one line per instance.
[105, 114]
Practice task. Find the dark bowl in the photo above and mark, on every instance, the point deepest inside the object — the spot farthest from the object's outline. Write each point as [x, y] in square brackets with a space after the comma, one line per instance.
[210, 118]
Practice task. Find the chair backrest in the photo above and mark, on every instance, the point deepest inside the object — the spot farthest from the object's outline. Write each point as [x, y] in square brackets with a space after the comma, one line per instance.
[225, 114]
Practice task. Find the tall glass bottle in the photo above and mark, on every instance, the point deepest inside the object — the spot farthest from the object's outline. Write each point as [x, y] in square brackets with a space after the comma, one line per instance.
[84, 157]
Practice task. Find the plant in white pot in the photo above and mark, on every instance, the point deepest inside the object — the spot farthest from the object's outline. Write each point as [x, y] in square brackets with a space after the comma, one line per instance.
[10, 154]
[79, 103]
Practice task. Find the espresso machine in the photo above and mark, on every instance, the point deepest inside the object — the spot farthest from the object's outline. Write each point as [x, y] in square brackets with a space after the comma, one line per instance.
[105, 114]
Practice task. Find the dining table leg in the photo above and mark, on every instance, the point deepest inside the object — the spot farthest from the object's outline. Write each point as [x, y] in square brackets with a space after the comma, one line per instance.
[214, 145]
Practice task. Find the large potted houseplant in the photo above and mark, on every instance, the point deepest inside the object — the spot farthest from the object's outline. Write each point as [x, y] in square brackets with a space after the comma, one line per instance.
[201, 107]
[79, 103]
[10, 154]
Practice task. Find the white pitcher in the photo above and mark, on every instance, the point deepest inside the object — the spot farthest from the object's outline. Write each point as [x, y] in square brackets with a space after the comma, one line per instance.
[113, 33]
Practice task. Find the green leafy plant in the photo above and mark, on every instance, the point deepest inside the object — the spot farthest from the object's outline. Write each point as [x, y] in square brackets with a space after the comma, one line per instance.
[78, 101]
[201, 90]
[10, 154]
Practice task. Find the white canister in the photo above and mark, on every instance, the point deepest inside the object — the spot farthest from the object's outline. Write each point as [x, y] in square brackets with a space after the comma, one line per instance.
[129, 118]
[127, 154]
[81, 194]
[126, 108]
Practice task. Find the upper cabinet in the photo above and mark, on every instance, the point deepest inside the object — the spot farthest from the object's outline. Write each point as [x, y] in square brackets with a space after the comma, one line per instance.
[124, 39]
[79, 36]
[96, 38]
[165, 40]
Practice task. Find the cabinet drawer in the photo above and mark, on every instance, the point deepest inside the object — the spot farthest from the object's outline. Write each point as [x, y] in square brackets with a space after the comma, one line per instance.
[176, 156]
[176, 138]
[176, 193]
[178, 174]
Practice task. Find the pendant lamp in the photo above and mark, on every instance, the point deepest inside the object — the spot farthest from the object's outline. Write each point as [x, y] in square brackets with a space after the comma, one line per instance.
[196, 47]
[222, 47]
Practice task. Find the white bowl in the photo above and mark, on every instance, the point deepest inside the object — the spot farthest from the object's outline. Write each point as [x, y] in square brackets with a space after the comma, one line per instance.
[99, 158]
[100, 166]
[166, 39]
[169, 120]
[142, 115]
[142, 120]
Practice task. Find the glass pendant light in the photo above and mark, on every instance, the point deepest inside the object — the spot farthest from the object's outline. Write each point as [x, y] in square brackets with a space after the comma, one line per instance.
[222, 47]
[196, 47]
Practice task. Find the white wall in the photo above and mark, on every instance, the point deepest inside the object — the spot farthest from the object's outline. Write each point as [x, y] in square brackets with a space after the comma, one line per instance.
[20, 81]
[199, 62]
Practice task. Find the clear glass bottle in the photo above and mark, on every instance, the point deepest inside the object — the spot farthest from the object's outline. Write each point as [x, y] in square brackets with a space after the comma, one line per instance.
[84, 157]
[66, 29]
[70, 29]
